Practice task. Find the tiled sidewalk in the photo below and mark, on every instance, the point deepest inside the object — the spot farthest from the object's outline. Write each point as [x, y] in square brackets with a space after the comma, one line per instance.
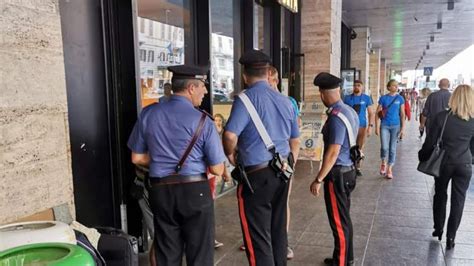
[392, 218]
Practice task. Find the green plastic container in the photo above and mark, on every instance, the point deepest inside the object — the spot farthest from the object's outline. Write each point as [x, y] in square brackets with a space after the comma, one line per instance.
[51, 254]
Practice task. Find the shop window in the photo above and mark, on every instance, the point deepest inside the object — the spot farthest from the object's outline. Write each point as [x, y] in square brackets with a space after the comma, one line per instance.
[259, 37]
[222, 55]
[142, 25]
[157, 49]
[223, 65]
[142, 55]
[150, 28]
[151, 55]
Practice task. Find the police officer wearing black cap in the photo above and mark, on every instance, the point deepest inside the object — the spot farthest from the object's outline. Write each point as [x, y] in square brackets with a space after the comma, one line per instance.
[179, 143]
[337, 171]
[262, 209]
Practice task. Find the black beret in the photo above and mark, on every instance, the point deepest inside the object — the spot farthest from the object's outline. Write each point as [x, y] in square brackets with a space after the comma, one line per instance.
[255, 59]
[189, 72]
[326, 81]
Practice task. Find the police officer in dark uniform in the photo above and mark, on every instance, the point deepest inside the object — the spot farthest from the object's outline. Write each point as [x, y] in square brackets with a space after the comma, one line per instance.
[180, 197]
[263, 212]
[337, 171]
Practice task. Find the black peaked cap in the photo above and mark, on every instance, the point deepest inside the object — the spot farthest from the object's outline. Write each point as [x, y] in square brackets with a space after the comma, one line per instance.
[326, 81]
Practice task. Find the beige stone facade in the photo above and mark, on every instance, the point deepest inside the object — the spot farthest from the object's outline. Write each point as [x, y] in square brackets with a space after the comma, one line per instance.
[35, 160]
[320, 41]
[374, 74]
[360, 54]
[383, 76]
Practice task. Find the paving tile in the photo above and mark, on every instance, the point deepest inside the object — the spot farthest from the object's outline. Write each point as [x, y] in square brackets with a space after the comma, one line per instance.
[387, 251]
[460, 251]
[401, 233]
[392, 219]
[403, 221]
[408, 212]
[459, 262]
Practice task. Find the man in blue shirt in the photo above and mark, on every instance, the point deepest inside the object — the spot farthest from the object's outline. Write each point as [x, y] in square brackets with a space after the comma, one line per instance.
[362, 104]
[337, 170]
[262, 213]
[180, 197]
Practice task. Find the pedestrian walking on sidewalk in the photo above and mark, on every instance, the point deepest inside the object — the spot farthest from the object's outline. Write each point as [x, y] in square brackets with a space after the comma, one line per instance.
[362, 104]
[456, 165]
[390, 126]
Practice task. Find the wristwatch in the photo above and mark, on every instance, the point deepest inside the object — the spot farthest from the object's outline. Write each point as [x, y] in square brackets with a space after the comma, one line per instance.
[371, 125]
[318, 181]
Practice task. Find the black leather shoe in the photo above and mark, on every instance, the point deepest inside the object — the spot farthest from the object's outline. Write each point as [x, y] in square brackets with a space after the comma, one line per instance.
[358, 172]
[450, 243]
[330, 261]
[438, 233]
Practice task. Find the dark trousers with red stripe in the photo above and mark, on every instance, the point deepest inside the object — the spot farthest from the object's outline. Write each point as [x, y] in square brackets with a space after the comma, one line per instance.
[184, 223]
[263, 218]
[338, 186]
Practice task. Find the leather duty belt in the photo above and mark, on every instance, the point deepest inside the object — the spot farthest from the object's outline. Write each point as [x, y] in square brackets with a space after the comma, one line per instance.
[344, 169]
[176, 179]
[254, 168]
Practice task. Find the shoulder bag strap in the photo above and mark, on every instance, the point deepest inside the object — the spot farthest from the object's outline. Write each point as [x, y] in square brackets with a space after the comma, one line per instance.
[442, 129]
[191, 144]
[352, 141]
[257, 122]
[393, 101]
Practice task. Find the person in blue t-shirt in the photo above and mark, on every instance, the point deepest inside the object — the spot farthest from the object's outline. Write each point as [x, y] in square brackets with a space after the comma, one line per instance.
[362, 104]
[391, 111]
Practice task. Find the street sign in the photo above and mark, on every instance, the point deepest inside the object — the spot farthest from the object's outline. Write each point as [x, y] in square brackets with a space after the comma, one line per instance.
[427, 71]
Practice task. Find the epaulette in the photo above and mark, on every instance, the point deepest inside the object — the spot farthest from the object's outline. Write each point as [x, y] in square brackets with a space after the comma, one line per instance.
[206, 113]
[333, 111]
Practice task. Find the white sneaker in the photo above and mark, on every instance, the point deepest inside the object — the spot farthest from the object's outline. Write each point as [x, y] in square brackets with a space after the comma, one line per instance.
[218, 244]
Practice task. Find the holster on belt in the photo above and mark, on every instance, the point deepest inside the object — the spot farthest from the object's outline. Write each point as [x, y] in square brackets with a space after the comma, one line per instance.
[277, 163]
[239, 174]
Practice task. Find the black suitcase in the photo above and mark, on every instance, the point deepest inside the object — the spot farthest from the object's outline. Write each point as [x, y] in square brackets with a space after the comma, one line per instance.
[117, 247]
[84, 242]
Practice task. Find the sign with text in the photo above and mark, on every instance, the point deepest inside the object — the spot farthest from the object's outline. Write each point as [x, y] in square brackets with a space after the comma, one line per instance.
[313, 117]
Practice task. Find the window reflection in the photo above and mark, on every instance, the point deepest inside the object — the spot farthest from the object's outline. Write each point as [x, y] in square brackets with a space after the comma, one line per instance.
[161, 43]
[222, 50]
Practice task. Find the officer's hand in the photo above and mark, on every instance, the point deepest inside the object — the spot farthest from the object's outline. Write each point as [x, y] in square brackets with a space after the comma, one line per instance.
[315, 187]
[377, 131]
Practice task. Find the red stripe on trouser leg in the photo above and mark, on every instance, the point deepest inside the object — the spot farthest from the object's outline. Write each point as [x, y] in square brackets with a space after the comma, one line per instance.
[245, 227]
[337, 220]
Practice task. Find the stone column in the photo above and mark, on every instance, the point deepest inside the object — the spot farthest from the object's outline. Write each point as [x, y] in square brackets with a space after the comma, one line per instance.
[320, 41]
[35, 158]
[374, 74]
[360, 53]
[383, 76]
